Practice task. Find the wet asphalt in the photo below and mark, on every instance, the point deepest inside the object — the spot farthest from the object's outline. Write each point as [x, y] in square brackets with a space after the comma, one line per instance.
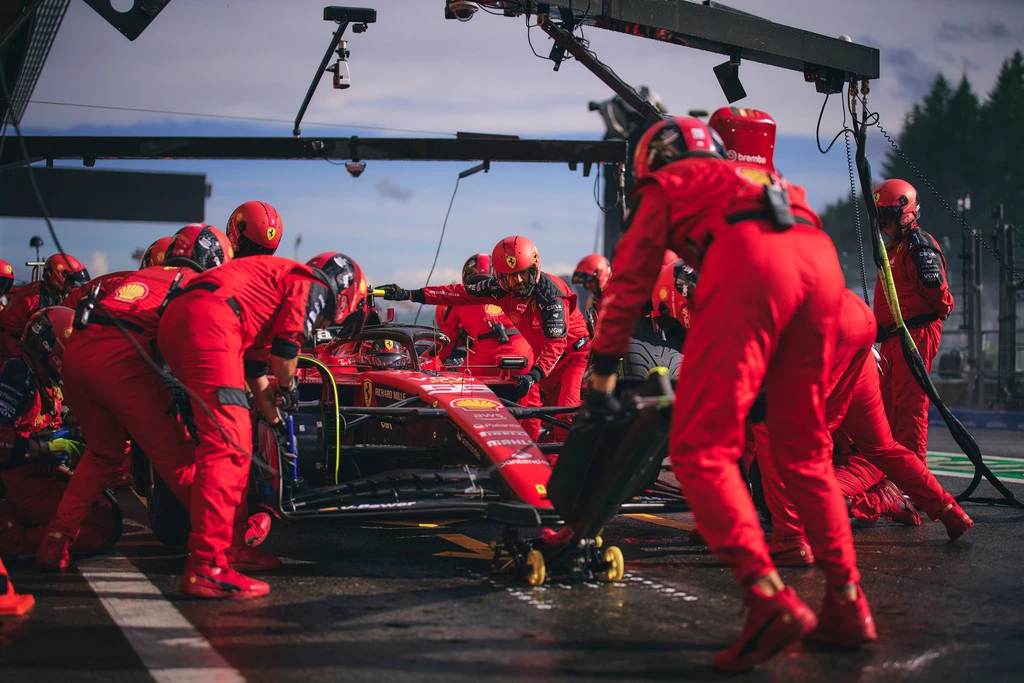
[384, 601]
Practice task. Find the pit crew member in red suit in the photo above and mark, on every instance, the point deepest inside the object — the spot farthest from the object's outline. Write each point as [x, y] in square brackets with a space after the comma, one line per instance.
[30, 409]
[114, 392]
[541, 306]
[748, 135]
[765, 311]
[156, 253]
[919, 274]
[254, 229]
[672, 298]
[593, 272]
[6, 281]
[488, 334]
[854, 406]
[61, 274]
[262, 308]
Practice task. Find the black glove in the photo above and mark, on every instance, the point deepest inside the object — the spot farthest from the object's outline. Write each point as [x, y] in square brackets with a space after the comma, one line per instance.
[394, 293]
[601, 406]
[526, 382]
[288, 398]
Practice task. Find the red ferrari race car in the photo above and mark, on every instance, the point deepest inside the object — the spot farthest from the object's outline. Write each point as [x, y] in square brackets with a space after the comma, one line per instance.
[385, 431]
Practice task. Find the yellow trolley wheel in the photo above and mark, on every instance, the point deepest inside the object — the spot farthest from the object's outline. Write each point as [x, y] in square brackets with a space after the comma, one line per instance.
[598, 541]
[538, 573]
[616, 563]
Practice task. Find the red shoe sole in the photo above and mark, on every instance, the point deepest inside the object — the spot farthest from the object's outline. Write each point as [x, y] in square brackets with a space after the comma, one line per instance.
[773, 641]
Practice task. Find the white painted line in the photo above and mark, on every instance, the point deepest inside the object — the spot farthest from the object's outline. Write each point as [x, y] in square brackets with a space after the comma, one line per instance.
[170, 647]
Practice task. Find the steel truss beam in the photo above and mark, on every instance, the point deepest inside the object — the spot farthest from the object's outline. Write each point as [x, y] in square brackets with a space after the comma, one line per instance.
[92, 148]
[723, 30]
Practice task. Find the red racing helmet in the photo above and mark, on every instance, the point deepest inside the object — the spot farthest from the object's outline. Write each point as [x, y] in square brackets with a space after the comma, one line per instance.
[669, 257]
[897, 203]
[516, 263]
[747, 134]
[477, 267]
[63, 272]
[254, 229]
[46, 334]
[6, 277]
[200, 247]
[593, 268]
[348, 292]
[384, 354]
[673, 291]
[672, 139]
[156, 253]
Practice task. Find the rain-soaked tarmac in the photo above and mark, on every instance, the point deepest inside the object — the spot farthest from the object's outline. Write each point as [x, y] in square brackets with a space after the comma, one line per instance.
[376, 602]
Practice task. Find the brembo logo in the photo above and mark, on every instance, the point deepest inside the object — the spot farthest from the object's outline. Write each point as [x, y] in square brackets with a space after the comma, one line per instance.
[732, 155]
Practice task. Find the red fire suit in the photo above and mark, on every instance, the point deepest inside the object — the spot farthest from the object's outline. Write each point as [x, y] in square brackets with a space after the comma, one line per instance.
[20, 307]
[919, 274]
[251, 307]
[31, 492]
[764, 317]
[854, 406]
[114, 393]
[549, 320]
[479, 324]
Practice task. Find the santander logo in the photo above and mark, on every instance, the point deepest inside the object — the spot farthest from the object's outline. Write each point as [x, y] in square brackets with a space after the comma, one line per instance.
[732, 155]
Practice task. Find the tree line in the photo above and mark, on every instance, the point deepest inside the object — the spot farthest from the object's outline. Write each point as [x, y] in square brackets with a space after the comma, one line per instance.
[961, 146]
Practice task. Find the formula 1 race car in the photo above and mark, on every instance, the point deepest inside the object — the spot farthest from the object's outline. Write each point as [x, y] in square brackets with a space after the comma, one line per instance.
[385, 431]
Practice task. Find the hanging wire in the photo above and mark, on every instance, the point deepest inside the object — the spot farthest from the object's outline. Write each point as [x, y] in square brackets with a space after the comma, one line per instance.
[440, 241]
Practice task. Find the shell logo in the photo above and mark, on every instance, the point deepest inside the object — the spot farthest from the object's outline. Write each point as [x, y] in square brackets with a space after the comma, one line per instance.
[476, 404]
[493, 309]
[755, 176]
[511, 261]
[160, 256]
[130, 292]
[663, 294]
[270, 233]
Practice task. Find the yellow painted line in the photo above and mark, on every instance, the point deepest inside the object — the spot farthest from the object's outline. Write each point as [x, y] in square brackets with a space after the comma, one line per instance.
[425, 525]
[142, 499]
[661, 521]
[478, 550]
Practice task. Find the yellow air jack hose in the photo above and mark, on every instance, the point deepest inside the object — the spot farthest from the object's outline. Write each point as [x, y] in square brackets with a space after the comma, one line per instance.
[328, 376]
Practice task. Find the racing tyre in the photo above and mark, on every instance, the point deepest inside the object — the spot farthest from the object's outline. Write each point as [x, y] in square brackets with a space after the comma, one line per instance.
[646, 352]
[167, 515]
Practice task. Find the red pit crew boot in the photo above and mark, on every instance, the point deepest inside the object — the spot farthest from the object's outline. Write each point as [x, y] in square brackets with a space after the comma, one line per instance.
[12, 603]
[209, 581]
[791, 552]
[258, 529]
[54, 551]
[773, 623]
[246, 559]
[844, 624]
[894, 505]
[956, 520]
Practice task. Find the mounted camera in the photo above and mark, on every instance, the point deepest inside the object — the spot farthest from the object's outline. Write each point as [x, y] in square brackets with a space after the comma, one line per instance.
[355, 168]
[463, 10]
[342, 76]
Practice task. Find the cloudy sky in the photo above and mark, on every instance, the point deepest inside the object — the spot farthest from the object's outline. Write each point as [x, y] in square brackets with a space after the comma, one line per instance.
[415, 74]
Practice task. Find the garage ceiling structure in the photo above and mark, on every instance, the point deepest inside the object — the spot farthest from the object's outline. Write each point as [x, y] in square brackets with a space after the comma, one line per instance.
[28, 30]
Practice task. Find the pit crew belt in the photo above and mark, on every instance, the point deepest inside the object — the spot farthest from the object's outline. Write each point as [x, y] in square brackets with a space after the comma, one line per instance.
[581, 343]
[231, 301]
[493, 334]
[112, 322]
[912, 323]
[760, 215]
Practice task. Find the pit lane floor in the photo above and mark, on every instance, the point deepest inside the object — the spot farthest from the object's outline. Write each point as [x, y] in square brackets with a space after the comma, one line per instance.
[377, 602]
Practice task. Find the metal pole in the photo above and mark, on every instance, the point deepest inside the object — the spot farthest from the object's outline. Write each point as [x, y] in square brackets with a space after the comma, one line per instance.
[979, 348]
[1007, 316]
